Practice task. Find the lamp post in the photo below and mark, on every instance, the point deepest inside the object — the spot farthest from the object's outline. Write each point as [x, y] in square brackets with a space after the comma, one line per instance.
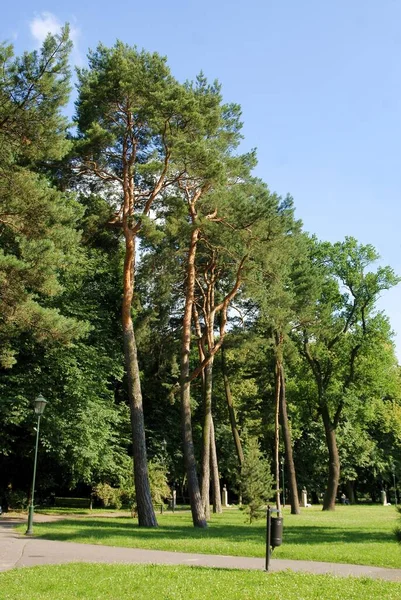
[395, 489]
[282, 461]
[40, 404]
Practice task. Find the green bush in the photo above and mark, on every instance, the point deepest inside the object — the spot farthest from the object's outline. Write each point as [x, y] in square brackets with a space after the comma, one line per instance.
[128, 498]
[125, 496]
[17, 500]
[159, 487]
[110, 497]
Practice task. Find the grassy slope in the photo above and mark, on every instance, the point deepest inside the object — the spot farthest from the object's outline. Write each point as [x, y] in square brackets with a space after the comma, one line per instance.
[150, 582]
[359, 535]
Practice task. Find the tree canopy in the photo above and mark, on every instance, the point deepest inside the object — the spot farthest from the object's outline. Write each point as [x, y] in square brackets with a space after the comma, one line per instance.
[170, 306]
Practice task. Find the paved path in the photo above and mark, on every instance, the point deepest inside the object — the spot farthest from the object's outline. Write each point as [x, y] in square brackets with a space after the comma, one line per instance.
[17, 550]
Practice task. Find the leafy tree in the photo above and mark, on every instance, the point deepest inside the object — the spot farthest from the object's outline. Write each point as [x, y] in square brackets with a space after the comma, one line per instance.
[337, 325]
[84, 433]
[366, 444]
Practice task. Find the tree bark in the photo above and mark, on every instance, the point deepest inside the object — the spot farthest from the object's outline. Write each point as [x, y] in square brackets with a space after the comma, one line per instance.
[231, 411]
[209, 454]
[277, 430]
[206, 438]
[146, 513]
[329, 501]
[289, 460]
[215, 472]
[198, 515]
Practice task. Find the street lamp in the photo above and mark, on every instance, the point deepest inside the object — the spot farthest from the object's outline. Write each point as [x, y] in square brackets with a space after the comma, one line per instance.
[40, 405]
[395, 489]
[282, 461]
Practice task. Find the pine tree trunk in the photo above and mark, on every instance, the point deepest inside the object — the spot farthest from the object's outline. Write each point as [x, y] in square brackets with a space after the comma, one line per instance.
[146, 513]
[206, 437]
[277, 430]
[289, 460]
[198, 515]
[231, 411]
[329, 501]
[215, 472]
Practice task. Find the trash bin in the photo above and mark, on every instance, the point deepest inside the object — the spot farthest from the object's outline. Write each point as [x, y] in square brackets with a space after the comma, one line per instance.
[276, 532]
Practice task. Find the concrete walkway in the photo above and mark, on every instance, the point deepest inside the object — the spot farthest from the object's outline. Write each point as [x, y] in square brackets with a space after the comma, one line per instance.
[17, 550]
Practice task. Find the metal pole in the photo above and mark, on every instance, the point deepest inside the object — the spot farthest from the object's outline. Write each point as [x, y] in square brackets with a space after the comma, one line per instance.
[29, 531]
[282, 464]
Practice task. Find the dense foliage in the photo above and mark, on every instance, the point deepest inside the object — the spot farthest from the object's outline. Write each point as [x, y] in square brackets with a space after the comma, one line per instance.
[131, 256]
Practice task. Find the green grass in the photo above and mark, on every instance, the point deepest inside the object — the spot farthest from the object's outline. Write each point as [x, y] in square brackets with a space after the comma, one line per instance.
[66, 510]
[356, 535]
[156, 582]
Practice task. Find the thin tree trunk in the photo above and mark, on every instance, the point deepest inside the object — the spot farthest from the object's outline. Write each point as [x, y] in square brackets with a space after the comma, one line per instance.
[289, 460]
[209, 455]
[146, 513]
[277, 431]
[351, 492]
[198, 515]
[329, 501]
[205, 482]
[231, 411]
[206, 436]
[215, 472]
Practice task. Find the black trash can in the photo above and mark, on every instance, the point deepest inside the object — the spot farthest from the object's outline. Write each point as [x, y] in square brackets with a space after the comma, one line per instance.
[276, 532]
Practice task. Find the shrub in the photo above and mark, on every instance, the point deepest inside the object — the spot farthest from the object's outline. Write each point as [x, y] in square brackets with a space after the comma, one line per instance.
[159, 488]
[110, 497]
[18, 500]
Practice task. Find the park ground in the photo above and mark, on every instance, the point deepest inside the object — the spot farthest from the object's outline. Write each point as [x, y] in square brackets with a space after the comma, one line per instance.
[350, 535]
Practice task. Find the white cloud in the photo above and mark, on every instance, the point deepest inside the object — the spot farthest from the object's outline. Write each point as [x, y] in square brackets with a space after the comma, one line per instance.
[42, 25]
[45, 23]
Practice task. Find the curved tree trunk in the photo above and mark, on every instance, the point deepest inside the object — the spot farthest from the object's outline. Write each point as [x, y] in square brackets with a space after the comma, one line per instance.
[289, 460]
[214, 466]
[329, 501]
[146, 513]
[198, 515]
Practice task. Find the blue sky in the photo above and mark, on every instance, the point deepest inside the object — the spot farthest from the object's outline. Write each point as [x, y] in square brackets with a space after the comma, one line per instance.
[319, 84]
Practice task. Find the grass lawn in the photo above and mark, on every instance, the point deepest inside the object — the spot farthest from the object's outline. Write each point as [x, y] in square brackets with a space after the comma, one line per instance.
[351, 534]
[156, 582]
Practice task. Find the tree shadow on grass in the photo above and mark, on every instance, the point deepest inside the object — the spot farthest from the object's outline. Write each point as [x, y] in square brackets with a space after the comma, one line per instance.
[100, 531]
